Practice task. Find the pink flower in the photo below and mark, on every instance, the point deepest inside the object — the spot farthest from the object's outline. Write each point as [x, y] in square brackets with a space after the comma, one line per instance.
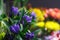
[45, 15]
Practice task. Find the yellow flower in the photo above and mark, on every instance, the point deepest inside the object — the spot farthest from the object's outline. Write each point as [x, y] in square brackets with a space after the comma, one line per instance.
[40, 24]
[59, 28]
[41, 18]
[39, 14]
[52, 25]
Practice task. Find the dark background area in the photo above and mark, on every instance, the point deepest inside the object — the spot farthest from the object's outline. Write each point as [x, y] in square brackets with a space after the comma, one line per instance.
[45, 3]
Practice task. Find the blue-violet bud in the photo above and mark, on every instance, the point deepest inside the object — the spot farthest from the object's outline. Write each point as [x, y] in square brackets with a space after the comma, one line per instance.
[15, 10]
[33, 15]
[15, 28]
[29, 35]
[27, 18]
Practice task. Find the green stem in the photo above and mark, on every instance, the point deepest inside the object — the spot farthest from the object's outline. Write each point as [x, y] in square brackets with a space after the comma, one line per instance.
[11, 20]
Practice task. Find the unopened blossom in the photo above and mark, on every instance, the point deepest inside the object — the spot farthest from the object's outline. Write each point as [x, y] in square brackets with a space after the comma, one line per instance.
[29, 35]
[15, 10]
[27, 18]
[15, 28]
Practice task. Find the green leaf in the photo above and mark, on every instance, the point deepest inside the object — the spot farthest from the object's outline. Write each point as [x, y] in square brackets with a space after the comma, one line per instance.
[3, 15]
[37, 31]
[35, 39]
[0, 12]
[2, 34]
[11, 20]
[21, 27]
[23, 12]
[4, 26]
[1, 6]
[1, 18]
[39, 39]
[18, 0]
[17, 37]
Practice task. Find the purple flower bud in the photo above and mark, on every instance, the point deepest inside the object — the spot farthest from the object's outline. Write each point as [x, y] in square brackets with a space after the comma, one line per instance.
[27, 18]
[33, 15]
[15, 28]
[29, 35]
[15, 10]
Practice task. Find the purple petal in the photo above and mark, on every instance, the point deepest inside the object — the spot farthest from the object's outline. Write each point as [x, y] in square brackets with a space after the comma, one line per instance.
[15, 10]
[15, 28]
[28, 18]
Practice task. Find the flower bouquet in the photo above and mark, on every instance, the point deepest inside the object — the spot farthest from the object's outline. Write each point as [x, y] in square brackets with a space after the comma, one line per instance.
[16, 25]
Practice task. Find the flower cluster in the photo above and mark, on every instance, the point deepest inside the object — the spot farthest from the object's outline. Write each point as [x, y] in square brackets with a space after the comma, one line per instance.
[15, 28]
[47, 23]
[18, 22]
[48, 20]
[53, 36]
[52, 25]
[29, 24]
[39, 14]
[29, 35]
[54, 13]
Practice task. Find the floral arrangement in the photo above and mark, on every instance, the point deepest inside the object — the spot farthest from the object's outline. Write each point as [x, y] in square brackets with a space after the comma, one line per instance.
[54, 36]
[16, 25]
[48, 21]
[27, 23]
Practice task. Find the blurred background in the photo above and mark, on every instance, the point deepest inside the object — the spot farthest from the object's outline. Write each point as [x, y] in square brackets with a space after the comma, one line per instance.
[45, 3]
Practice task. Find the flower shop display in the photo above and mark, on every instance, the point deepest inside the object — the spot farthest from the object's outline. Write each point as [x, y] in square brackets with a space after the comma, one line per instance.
[27, 23]
[54, 36]
[50, 23]
[16, 25]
